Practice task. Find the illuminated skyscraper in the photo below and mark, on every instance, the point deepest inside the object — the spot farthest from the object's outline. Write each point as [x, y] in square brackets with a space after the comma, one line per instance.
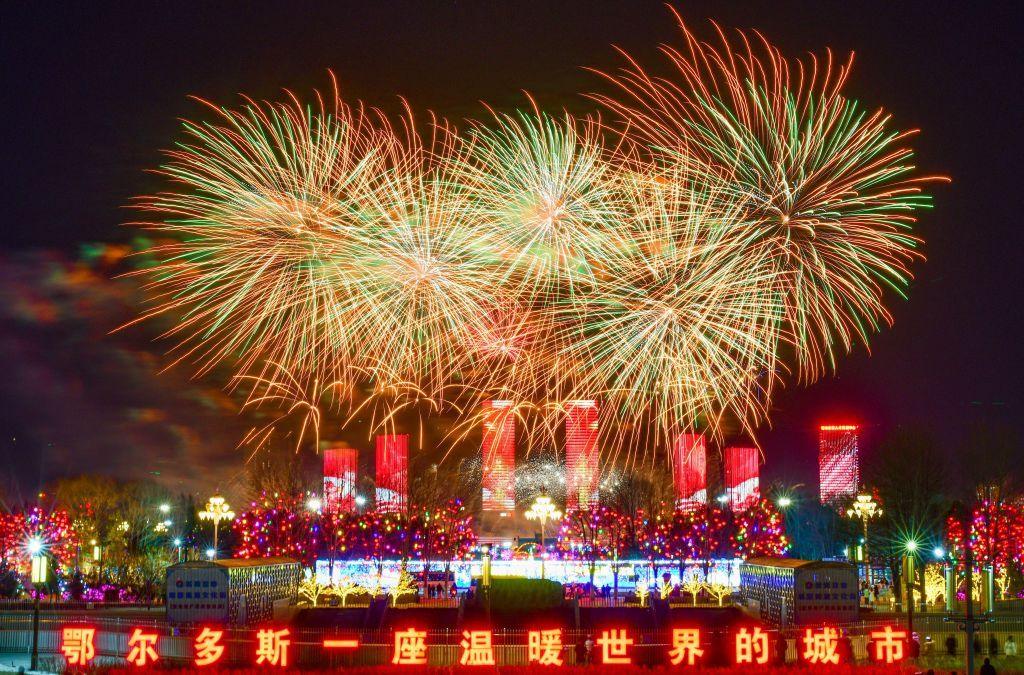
[392, 473]
[742, 477]
[498, 452]
[582, 461]
[690, 471]
[838, 468]
[340, 468]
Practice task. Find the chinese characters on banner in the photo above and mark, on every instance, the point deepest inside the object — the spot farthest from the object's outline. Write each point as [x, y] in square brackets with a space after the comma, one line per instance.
[546, 647]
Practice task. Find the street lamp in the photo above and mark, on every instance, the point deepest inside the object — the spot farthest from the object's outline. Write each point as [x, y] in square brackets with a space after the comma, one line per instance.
[785, 502]
[314, 504]
[865, 508]
[908, 578]
[542, 510]
[39, 564]
[177, 545]
[217, 509]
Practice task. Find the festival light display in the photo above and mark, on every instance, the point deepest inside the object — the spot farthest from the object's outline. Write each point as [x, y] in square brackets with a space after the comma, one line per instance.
[498, 451]
[341, 466]
[742, 477]
[582, 459]
[690, 470]
[392, 473]
[838, 463]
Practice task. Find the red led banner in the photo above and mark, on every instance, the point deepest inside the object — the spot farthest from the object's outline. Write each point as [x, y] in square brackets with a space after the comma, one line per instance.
[498, 456]
[340, 475]
[392, 473]
[818, 647]
[690, 471]
[742, 477]
[582, 460]
[838, 467]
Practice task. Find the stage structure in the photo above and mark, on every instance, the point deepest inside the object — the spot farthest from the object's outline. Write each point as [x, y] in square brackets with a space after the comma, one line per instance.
[392, 473]
[582, 460]
[498, 457]
[690, 471]
[838, 468]
[340, 471]
[742, 477]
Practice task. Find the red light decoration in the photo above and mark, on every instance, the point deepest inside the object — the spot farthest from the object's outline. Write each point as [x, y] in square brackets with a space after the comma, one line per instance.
[477, 648]
[888, 644]
[410, 648]
[498, 452]
[78, 644]
[685, 646]
[759, 530]
[614, 646]
[340, 474]
[838, 468]
[544, 647]
[141, 648]
[208, 647]
[820, 646]
[582, 460]
[690, 470]
[742, 478]
[392, 473]
[752, 646]
[341, 643]
[272, 647]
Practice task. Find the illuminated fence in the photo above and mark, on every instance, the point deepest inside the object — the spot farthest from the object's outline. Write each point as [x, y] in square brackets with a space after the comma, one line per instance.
[91, 642]
[690, 471]
[498, 451]
[392, 473]
[582, 461]
[838, 468]
[742, 477]
[340, 471]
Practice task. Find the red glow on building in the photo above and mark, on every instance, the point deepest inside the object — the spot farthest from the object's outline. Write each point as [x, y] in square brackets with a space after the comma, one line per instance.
[838, 469]
[690, 470]
[392, 473]
[742, 477]
[498, 452]
[340, 468]
[582, 461]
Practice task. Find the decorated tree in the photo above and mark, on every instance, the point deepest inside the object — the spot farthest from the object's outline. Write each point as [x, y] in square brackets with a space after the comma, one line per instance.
[591, 533]
[282, 527]
[759, 530]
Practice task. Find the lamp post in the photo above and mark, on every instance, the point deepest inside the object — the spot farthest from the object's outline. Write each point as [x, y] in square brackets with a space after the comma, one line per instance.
[542, 510]
[39, 564]
[865, 508]
[217, 509]
[908, 579]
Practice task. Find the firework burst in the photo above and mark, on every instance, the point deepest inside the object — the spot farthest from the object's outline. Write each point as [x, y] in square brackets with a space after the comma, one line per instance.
[745, 216]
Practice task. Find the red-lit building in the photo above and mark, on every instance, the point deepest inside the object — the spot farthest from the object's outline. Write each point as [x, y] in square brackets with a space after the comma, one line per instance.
[742, 477]
[582, 460]
[392, 473]
[498, 457]
[340, 469]
[690, 470]
[838, 466]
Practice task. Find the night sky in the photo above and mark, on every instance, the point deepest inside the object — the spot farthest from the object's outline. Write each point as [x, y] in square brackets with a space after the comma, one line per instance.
[93, 93]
